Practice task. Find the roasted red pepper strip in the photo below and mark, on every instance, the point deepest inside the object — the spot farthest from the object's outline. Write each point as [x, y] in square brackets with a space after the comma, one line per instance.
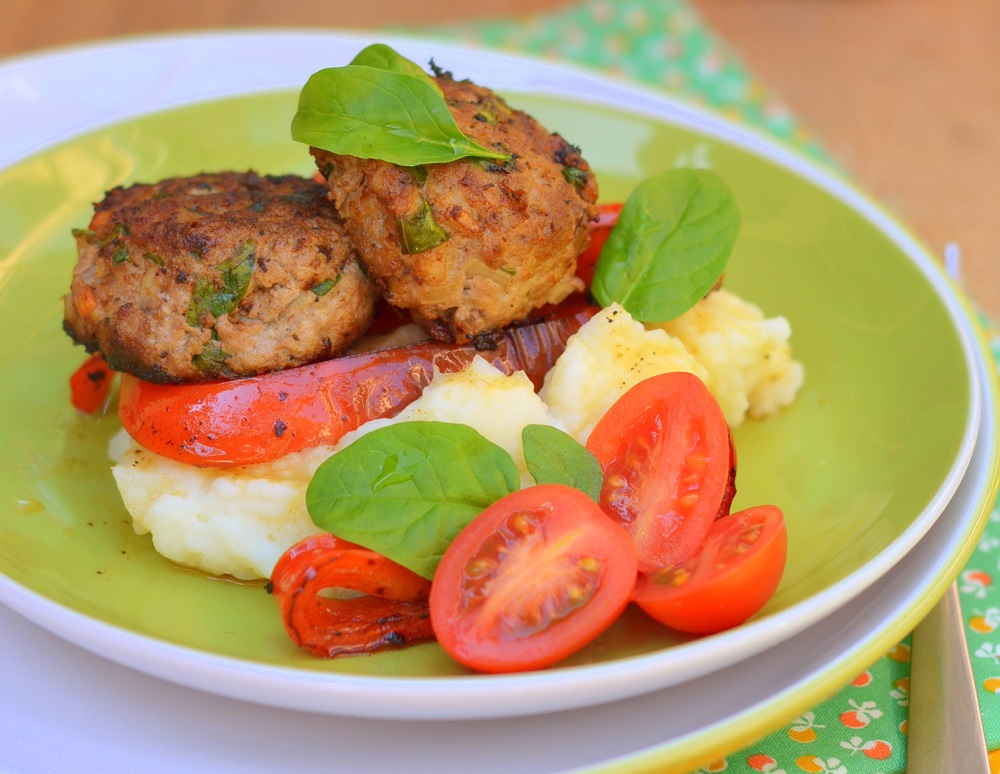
[586, 262]
[261, 418]
[90, 385]
[390, 611]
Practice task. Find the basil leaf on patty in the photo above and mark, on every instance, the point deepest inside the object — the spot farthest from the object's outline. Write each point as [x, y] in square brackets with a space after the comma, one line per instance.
[383, 57]
[382, 106]
[671, 244]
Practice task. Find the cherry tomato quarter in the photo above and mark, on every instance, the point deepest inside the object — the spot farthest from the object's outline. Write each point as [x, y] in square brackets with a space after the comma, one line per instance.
[730, 578]
[531, 580]
[338, 598]
[667, 458]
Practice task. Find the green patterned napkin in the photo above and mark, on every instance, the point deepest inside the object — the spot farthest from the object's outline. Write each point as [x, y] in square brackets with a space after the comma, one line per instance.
[663, 43]
[656, 42]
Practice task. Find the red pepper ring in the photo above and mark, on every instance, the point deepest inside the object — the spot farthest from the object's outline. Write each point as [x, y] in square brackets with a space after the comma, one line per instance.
[375, 603]
[90, 385]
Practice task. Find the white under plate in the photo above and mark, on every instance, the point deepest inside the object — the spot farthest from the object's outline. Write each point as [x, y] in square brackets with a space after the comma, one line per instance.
[803, 652]
[63, 709]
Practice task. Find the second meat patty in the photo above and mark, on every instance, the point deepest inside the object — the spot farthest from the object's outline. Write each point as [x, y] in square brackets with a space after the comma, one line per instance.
[472, 245]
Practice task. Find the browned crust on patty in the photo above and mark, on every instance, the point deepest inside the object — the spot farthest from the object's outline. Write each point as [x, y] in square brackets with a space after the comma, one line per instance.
[217, 275]
[513, 230]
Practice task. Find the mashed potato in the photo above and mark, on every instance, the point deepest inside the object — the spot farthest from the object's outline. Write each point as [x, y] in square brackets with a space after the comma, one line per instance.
[744, 359]
[239, 521]
[223, 521]
[608, 355]
[473, 397]
[747, 357]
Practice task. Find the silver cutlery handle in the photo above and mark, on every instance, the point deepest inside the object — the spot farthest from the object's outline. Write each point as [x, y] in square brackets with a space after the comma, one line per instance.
[945, 726]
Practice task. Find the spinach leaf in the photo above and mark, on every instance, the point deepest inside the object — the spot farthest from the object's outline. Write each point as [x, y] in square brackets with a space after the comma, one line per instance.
[376, 113]
[555, 457]
[671, 244]
[383, 57]
[406, 490]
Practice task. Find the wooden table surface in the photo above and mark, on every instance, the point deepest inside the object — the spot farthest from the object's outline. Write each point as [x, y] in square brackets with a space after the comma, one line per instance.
[905, 94]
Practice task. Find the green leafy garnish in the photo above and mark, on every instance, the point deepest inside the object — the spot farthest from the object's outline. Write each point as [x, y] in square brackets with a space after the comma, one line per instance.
[555, 457]
[234, 274]
[418, 174]
[118, 230]
[325, 286]
[419, 231]
[121, 255]
[491, 110]
[671, 244]
[575, 176]
[382, 106]
[212, 359]
[406, 490]
[383, 57]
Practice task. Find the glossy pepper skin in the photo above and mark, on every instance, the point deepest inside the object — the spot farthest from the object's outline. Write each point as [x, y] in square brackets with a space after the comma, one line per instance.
[378, 604]
[261, 418]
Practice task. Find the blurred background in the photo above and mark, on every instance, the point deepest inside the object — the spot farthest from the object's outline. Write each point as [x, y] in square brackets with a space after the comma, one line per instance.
[903, 94]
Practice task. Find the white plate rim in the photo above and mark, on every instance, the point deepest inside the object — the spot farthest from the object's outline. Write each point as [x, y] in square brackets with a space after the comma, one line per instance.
[676, 729]
[448, 698]
[688, 750]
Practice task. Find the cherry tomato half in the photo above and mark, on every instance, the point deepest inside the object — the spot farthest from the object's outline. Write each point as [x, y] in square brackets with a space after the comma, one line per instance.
[728, 580]
[337, 598]
[665, 450]
[90, 385]
[261, 418]
[531, 580]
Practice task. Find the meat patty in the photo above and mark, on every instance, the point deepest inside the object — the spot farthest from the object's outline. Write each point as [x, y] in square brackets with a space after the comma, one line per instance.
[217, 275]
[472, 245]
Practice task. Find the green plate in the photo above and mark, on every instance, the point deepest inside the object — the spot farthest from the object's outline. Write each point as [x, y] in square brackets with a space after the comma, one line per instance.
[862, 464]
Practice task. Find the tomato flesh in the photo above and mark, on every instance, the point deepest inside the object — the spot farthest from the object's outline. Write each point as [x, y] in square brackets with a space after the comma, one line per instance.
[378, 604]
[730, 578]
[261, 418]
[665, 450]
[531, 580]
